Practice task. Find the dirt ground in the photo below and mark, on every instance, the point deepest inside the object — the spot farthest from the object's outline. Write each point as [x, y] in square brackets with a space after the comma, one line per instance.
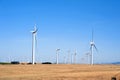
[59, 72]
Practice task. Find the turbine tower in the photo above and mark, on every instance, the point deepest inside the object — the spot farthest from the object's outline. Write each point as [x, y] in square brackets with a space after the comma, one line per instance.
[34, 32]
[92, 46]
[72, 58]
[68, 58]
[57, 56]
[75, 56]
[64, 59]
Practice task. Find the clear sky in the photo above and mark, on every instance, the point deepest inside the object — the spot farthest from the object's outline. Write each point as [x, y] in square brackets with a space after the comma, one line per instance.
[64, 24]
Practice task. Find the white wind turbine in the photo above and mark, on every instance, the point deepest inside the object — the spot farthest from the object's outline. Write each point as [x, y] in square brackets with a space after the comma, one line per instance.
[92, 46]
[65, 59]
[57, 56]
[88, 55]
[68, 58]
[75, 56]
[72, 58]
[34, 32]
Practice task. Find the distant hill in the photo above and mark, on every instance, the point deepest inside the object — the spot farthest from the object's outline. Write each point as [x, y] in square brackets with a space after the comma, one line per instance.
[116, 63]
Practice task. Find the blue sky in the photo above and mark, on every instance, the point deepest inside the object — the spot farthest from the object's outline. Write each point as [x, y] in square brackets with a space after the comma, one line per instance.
[64, 24]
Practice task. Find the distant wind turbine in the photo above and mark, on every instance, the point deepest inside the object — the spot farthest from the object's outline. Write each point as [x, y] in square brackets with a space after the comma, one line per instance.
[72, 58]
[92, 46]
[75, 56]
[65, 59]
[57, 56]
[88, 55]
[34, 32]
[68, 58]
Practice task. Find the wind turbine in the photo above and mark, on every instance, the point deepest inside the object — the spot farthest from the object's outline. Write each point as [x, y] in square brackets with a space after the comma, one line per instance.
[64, 59]
[57, 56]
[34, 32]
[92, 46]
[68, 56]
[72, 58]
[88, 55]
[75, 56]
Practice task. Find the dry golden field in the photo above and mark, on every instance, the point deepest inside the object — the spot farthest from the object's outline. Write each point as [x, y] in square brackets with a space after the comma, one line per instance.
[59, 72]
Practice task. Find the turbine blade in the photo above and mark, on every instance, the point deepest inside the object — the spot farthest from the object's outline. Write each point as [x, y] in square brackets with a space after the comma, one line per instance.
[90, 48]
[92, 34]
[95, 48]
[36, 40]
[35, 29]
[36, 44]
[31, 31]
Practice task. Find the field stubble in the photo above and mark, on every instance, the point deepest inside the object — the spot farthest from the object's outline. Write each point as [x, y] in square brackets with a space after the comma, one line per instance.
[59, 72]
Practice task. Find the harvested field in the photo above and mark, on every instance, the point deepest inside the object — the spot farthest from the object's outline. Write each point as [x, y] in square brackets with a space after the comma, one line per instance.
[59, 72]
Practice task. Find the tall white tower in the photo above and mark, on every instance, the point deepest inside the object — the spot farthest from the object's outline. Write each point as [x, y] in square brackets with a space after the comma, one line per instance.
[57, 56]
[34, 32]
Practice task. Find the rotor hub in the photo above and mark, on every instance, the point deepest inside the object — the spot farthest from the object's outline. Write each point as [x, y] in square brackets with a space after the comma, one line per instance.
[91, 43]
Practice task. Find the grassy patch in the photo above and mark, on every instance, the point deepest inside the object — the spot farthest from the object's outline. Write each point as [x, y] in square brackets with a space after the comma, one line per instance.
[4, 63]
